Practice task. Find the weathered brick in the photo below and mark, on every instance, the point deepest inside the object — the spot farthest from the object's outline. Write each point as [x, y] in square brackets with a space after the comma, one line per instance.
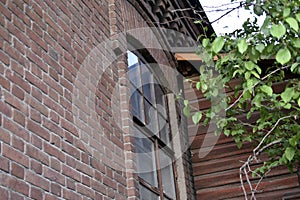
[3, 193]
[37, 129]
[4, 164]
[19, 117]
[16, 129]
[85, 191]
[18, 143]
[71, 195]
[12, 154]
[36, 193]
[17, 170]
[36, 166]
[37, 180]
[37, 154]
[56, 189]
[15, 184]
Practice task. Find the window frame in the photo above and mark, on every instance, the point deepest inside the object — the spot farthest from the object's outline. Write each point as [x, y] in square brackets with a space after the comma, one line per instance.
[159, 144]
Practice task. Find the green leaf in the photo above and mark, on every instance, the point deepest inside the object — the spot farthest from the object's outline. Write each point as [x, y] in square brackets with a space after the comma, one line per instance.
[286, 12]
[283, 56]
[186, 111]
[197, 117]
[260, 47]
[250, 65]
[218, 44]
[205, 42]
[186, 102]
[296, 42]
[287, 95]
[255, 74]
[293, 141]
[242, 46]
[278, 31]
[267, 89]
[293, 23]
[299, 102]
[289, 153]
[294, 66]
[227, 132]
[298, 17]
[198, 84]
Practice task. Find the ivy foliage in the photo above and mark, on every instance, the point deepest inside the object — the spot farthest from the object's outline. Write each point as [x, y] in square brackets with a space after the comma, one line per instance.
[258, 58]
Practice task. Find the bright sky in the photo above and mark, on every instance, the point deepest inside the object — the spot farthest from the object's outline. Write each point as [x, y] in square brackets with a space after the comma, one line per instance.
[231, 21]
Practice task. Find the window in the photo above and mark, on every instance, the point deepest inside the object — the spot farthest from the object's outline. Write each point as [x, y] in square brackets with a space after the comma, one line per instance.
[152, 132]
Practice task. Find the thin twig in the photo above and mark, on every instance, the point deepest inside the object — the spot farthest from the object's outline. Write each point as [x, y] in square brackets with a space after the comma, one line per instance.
[270, 131]
[262, 79]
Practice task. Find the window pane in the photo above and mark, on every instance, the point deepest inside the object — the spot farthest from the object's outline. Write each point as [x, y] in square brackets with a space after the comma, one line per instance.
[134, 75]
[151, 118]
[167, 175]
[132, 59]
[146, 194]
[146, 164]
[164, 132]
[147, 81]
[137, 104]
[160, 100]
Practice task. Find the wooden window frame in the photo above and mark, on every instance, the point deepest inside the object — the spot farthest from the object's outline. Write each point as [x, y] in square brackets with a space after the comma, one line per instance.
[155, 138]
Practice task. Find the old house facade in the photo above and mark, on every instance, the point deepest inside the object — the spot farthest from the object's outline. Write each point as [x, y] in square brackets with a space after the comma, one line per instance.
[88, 104]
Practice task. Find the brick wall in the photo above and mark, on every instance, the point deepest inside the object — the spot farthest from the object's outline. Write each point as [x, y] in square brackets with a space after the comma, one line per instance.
[43, 47]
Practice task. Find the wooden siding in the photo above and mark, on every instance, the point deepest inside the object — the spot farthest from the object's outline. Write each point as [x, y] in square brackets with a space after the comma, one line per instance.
[216, 176]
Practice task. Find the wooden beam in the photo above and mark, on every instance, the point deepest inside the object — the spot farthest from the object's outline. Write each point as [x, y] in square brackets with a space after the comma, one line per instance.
[187, 57]
[191, 57]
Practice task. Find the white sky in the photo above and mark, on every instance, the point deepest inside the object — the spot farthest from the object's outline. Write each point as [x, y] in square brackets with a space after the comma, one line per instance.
[228, 23]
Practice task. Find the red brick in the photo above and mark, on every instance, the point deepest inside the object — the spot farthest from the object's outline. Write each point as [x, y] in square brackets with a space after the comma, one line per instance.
[54, 175]
[12, 154]
[37, 154]
[54, 151]
[15, 184]
[17, 170]
[5, 12]
[16, 103]
[14, 128]
[56, 189]
[36, 141]
[16, 196]
[4, 58]
[36, 193]
[71, 195]
[35, 115]
[19, 117]
[4, 83]
[69, 127]
[4, 164]
[51, 197]
[55, 164]
[5, 109]
[18, 68]
[71, 184]
[36, 166]
[17, 143]
[85, 191]
[4, 193]
[36, 81]
[37, 180]
[70, 172]
[36, 128]
[17, 79]
[71, 150]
